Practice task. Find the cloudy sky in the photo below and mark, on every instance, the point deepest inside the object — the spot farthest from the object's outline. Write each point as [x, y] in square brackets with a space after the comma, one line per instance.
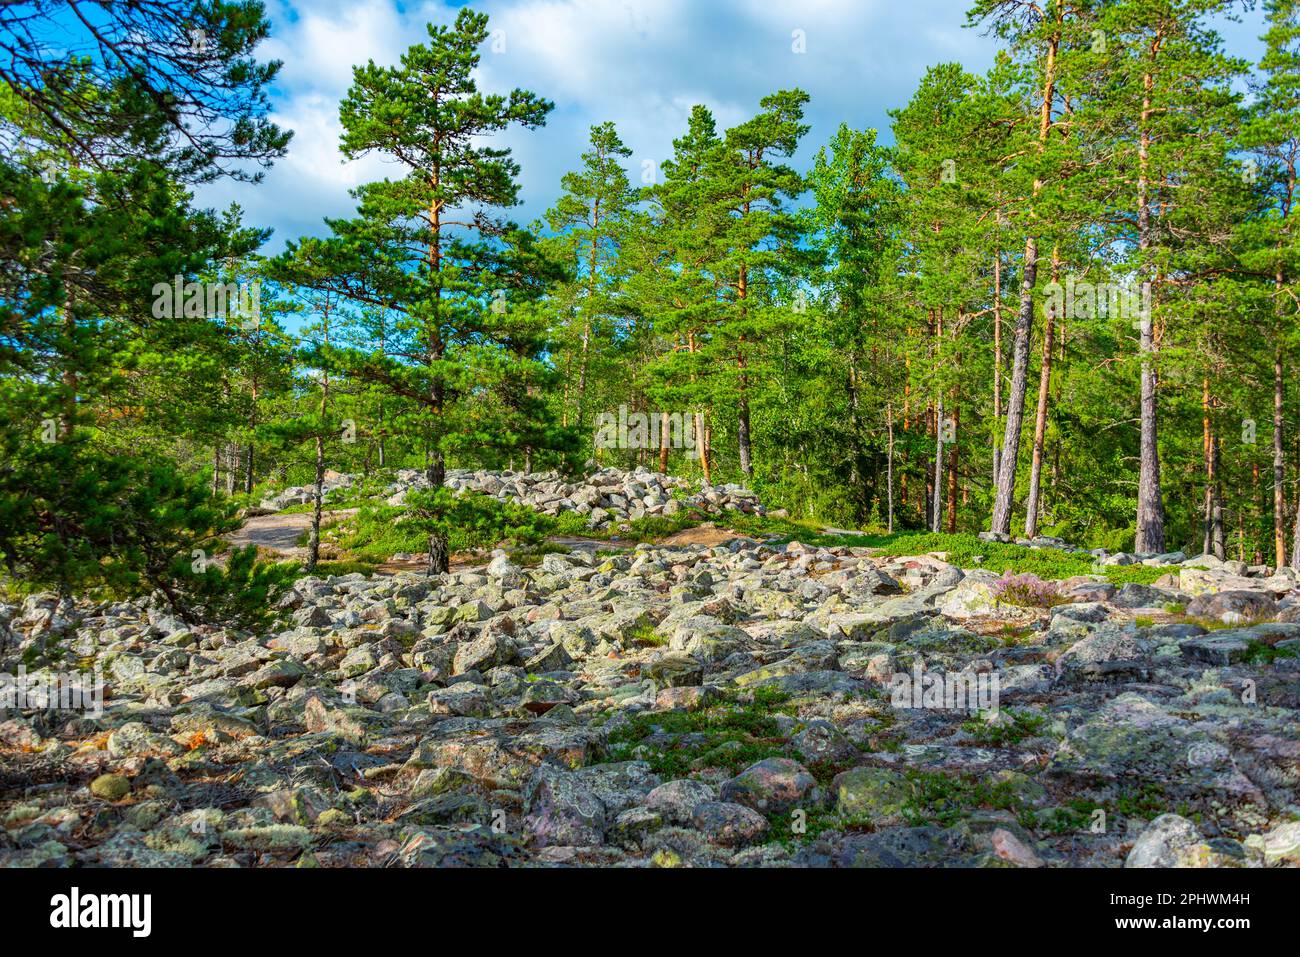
[640, 63]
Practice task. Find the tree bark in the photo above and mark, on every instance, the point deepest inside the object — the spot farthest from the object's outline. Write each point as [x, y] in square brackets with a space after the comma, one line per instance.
[954, 448]
[1150, 536]
[1040, 416]
[317, 498]
[997, 366]
[936, 522]
[1217, 544]
[663, 442]
[436, 466]
[1015, 412]
[1279, 464]
[1206, 538]
[889, 471]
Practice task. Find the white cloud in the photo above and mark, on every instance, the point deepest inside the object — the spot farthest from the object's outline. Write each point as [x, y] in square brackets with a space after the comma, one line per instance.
[639, 63]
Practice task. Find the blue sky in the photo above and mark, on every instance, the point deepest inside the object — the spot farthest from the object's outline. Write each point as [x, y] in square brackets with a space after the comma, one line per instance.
[641, 63]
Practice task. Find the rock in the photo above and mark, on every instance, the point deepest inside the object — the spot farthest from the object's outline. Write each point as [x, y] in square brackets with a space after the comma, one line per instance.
[822, 741]
[512, 716]
[1281, 845]
[563, 811]
[976, 597]
[676, 670]
[1109, 653]
[541, 696]
[271, 838]
[465, 699]
[1133, 595]
[731, 825]
[358, 661]
[111, 787]
[870, 795]
[903, 847]
[1008, 847]
[773, 785]
[677, 800]
[1219, 648]
[1168, 841]
[485, 651]
[1234, 607]
[283, 673]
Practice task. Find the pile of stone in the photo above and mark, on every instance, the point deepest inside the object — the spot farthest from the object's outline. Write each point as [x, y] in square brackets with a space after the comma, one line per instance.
[302, 494]
[608, 497]
[512, 715]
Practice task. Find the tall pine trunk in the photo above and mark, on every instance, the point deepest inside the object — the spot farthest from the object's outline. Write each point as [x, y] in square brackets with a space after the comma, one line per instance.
[997, 367]
[436, 467]
[317, 498]
[1015, 412]
[889, 471]
[954, 448]
[1150, 536]
[936, 522]
[743, 440]
[1040, 416]
[1279, 464]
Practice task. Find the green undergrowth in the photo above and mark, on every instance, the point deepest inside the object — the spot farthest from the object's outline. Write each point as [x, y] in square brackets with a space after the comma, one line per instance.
[735, 732]
[964, 550]
[1012, 726]
[377, 531]
[1262, 653]
[646, 636]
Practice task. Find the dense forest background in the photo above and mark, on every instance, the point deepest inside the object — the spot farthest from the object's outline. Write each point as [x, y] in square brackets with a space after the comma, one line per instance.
[1062, 302]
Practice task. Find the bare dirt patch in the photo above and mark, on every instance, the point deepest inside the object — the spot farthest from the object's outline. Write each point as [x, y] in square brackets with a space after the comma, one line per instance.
[279, 533]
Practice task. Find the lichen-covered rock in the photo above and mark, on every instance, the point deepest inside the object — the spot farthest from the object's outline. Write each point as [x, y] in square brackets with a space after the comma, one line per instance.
[771, 785]
[870, 795]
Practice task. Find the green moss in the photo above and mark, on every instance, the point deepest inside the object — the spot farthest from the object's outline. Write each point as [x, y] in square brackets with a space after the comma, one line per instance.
[944, 799]
[794, 828]
[731, 734]
[1260, 653]
[1017, 726]
[1148, 801]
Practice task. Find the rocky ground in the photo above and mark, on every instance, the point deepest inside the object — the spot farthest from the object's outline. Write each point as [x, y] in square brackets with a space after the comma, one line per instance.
[732, 704]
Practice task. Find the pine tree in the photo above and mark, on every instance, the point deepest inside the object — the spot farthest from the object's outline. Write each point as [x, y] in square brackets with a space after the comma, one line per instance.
[855, 222]
[1036, 37]
[1271, 135]
[1160, 122]
[759, 245]
[427, 245]
[592, 218]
